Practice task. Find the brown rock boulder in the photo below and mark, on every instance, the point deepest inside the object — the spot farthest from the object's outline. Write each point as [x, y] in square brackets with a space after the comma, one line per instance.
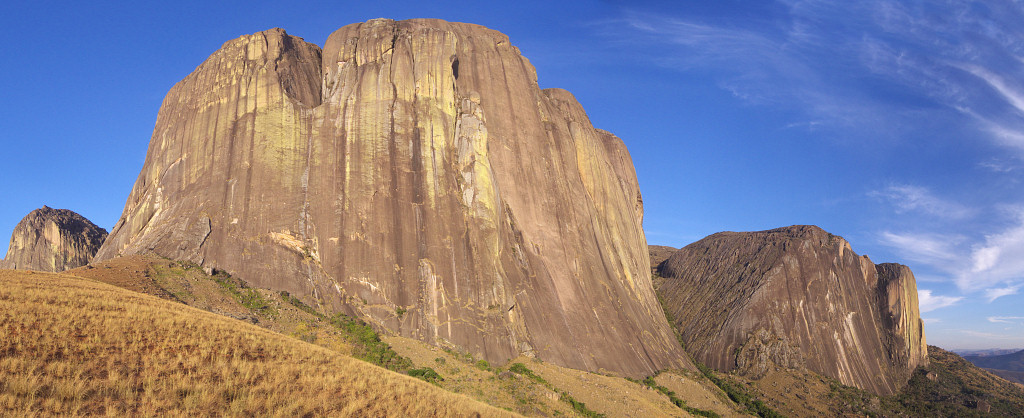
[52, 240]
[412, 173]
[795, 297]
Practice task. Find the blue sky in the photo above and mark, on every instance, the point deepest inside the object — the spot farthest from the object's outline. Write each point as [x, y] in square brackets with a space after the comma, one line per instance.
[897, 125]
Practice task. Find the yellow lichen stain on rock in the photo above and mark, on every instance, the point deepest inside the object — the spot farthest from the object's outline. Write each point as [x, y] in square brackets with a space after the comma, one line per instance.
[288, 240]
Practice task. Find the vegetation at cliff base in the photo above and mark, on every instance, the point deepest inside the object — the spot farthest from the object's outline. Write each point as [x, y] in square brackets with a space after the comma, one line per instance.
[650, 382]
[367, 344]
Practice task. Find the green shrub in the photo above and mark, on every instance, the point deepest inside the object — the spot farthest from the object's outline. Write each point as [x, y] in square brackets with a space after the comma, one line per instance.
[294, 301]
[650, 382]
[367, 345]
[578, 406]
[522, 370]
[248, 297]
[426, 373]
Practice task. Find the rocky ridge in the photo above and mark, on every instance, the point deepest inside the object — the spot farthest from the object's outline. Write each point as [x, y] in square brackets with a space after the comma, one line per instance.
[52, 240]
[795, 297]
[414, 174]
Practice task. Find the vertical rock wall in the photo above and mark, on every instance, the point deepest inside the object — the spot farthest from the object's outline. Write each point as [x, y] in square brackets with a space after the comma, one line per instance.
[795, 297]
[412, 173]
[52, 240]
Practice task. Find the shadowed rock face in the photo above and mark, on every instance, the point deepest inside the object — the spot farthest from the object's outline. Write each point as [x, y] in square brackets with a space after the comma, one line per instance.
[412, 173]
[796, 297]
[52, 240]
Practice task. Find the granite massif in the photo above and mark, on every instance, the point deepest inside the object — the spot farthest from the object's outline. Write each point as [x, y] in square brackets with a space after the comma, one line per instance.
[52, 240]
[412, 173]
[795, 297]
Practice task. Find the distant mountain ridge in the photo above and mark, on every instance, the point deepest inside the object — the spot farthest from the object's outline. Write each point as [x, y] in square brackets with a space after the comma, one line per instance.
[1008, 366]
[986, 352]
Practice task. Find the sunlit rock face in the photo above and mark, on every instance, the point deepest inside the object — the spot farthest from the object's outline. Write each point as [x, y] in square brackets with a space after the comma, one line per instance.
[52, 240]
[414, 174]
[795, 297]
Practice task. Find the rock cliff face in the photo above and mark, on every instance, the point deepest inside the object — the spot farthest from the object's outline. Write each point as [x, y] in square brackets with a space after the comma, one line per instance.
[52, 240]
[660, 253]
[795, 297]
[412, 173]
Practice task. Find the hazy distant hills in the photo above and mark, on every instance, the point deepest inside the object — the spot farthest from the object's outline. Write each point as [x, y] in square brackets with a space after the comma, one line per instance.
[1008, 366]
[986, 352]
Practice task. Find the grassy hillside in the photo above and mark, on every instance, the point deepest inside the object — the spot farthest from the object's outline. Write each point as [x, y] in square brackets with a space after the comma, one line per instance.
[560, 391]
[952, 386]
[76, 346]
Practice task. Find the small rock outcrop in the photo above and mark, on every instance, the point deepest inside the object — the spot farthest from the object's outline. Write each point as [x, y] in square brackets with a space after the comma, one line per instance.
[53, 240]
[795, 297]
[412, 173]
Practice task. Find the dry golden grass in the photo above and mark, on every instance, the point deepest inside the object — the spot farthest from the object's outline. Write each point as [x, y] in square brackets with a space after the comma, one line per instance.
[612, 396]
[608, 395]
[698, 392]
[71, 346]
[503, 390]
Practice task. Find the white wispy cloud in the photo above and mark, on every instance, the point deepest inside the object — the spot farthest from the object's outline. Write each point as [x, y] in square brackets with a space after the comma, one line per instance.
[1003, 133]
[958, 56]
[909, 198]
[998, 292]
[928, 302]
[1012, 94]
[937, 250]
[998, 166]
[990, 335]
[1006, 319]
[992, 265]
[996, 264]
[765, 65]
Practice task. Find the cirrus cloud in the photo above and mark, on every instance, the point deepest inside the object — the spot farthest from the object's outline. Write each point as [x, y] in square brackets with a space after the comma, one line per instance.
[929, 302]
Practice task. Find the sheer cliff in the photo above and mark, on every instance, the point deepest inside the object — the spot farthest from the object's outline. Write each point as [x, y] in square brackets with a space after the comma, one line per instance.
[414, 174]
[795, 297]
[52, 240]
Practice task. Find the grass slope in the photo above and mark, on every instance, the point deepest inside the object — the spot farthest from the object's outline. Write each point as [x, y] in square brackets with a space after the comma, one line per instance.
[952, 386]
[72, 346]
[572, 393]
